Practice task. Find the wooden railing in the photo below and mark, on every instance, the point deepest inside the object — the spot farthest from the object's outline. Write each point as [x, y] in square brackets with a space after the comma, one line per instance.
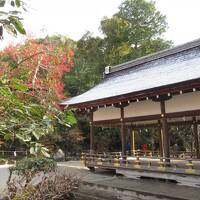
[154, 162]
[173, 154]
[13, 153]
[153, 154]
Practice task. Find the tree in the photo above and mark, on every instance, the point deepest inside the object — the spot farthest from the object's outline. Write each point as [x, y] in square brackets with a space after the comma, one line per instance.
[30, 89]
[45, 64]
[134, 31]
[11, 20]
[60, 41]
[88, 65]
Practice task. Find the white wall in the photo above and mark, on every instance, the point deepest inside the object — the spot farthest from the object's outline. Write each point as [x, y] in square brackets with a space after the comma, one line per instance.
[107, 113]
[183, 102]
[135, 109]
[142, 108]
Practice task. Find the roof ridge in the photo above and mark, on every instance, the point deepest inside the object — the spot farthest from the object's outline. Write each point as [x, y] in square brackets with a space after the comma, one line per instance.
[155, 56]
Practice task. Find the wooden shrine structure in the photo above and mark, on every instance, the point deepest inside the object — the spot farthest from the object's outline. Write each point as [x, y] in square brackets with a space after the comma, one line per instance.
[158, 90]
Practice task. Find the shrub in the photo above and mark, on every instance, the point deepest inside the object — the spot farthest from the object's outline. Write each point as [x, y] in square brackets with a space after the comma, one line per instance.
[50, 186]
[2, 161]
[10, 162]
[30, 167]
[34, 165]
[57, 187]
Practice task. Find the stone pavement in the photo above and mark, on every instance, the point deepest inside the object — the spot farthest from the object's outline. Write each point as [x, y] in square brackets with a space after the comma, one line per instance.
[107, 183]
[102, 184]
[4, 172]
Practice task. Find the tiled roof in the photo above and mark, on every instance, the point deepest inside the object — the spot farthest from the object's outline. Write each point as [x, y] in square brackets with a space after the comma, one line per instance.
[164, 68]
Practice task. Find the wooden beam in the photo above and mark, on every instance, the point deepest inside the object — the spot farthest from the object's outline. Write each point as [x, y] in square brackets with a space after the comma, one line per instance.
[121, 105]
[196, 137]
[109, 121]
[163, 97]
[155, 125]
[190, 113]
[142, 118]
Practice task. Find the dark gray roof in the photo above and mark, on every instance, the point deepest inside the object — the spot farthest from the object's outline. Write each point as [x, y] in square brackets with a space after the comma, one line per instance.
[155, 56]
[164, 68]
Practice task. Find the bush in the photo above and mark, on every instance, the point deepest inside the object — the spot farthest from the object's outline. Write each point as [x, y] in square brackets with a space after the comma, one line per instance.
[49, 186]
[10, 162]
[57, 187]
[34, 165]
[2, 161]
[28, 168]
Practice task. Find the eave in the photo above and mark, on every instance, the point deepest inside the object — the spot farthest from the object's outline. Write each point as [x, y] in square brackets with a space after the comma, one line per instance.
[173, 89]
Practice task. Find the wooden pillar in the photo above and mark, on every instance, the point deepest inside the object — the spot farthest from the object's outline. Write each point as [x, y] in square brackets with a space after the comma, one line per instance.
[196, 137]
[132, 142]
[192, 143]
[165, 134]
[122, 132]
[91, 133]
[160, 138]
[129, 142]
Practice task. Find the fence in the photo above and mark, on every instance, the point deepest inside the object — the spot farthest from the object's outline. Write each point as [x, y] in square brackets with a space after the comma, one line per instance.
[114, 160]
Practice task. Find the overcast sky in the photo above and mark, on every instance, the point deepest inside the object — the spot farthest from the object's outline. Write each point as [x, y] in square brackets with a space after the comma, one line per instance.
[75, 17]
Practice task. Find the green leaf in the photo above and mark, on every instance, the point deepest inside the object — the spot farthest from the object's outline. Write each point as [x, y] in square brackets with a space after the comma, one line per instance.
[48, 122]
[5, 91]
[23, 137]
[36, 134]
[68, 118]
[12, 3]
[32, 150]
[11, 29]
[8, 136]
[2, 3]
[44, 152]
[18, 110]
[18, 3]
[35, 110]
[17, 24]
[18, 85]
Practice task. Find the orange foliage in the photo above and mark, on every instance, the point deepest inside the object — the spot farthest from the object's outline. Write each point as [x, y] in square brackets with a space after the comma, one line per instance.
[44, 63]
